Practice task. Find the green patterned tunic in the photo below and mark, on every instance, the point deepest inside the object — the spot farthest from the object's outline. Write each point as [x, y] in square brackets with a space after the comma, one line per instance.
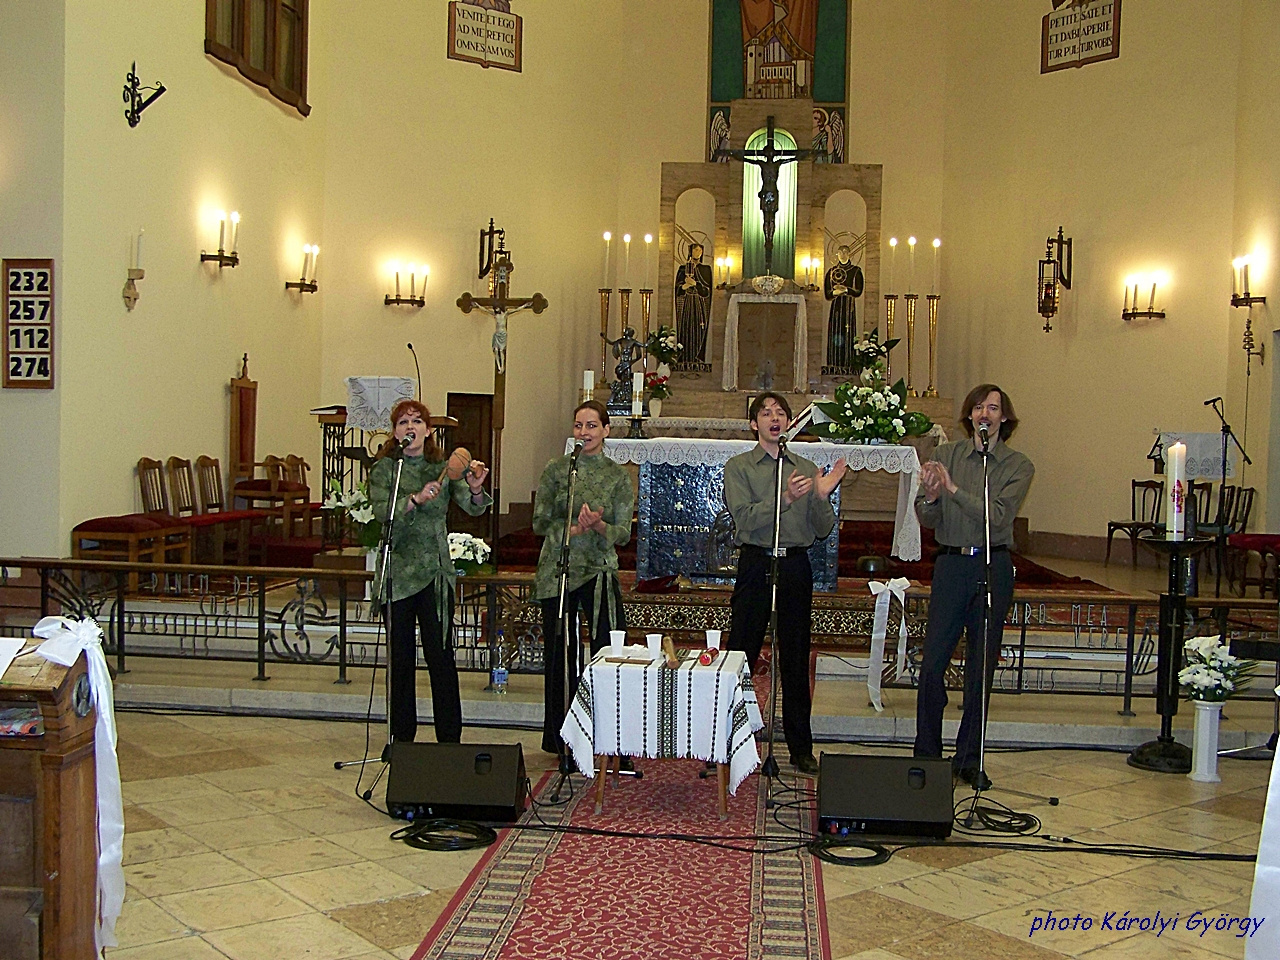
[602, 484]
[420, 554]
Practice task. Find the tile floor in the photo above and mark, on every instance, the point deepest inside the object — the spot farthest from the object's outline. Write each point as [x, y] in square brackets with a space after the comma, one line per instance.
[243, 842]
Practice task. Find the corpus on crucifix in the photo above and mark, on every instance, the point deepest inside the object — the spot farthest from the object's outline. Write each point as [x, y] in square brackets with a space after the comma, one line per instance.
[496, 264]
[770, 161]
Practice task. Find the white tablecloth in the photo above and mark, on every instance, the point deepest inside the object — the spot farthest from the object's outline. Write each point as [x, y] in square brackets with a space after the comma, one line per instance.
[800, 365]
[648, 710]
[892, 458]
[1204, 454]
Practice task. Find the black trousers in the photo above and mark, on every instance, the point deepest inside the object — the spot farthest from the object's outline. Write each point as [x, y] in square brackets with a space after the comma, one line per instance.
[955, 607]
[579, 603]
[446, 703]
[751, 620]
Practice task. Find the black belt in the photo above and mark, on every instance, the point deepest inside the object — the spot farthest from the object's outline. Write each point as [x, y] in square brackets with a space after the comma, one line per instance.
[768, 551]
[970, 551]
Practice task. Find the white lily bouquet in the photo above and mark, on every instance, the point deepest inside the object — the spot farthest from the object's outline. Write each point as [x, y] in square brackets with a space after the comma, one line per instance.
[467, 552]
[1212, 673]
[359, 511]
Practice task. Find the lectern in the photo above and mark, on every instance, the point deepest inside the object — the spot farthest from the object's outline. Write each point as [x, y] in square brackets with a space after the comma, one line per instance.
[48, 812]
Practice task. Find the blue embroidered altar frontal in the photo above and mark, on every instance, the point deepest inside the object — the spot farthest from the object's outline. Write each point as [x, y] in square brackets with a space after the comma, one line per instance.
[676, 516]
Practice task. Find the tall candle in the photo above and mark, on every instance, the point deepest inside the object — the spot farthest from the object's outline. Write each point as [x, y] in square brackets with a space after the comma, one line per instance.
[911, 273]
[138, 264]
[637, 393]
[1151, 305]
[648, 261]
[1245, 270]
[893, 252]
[235, 231]
[608, 237]
[315, 252]
[1175, 500]
[626, 260]
[222, 231]
[306, 259]
[588, 382]
[936, 271]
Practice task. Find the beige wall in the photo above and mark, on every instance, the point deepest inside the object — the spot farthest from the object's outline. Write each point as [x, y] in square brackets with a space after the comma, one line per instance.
[31, 226]
[1135, 158]
[1163, 159]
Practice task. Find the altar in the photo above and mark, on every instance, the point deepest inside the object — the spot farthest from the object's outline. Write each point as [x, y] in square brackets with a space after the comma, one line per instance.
[800, 344]
[682, 524]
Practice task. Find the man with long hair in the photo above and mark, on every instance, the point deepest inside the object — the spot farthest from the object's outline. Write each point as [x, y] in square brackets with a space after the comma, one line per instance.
[951, 502]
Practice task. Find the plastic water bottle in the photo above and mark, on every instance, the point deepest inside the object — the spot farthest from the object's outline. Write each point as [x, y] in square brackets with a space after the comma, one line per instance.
[498, 679]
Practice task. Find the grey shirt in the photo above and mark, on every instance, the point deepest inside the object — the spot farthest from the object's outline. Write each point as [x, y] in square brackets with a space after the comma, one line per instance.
[956, 518]
[749, 490]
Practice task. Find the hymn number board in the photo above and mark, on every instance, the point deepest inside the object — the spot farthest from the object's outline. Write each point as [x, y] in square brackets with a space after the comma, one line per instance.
[28, 324]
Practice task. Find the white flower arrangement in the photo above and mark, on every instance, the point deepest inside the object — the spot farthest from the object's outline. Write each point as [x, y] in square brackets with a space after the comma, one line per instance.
[465, 547]
[355, 504]
[870, 410]
[1212, 673]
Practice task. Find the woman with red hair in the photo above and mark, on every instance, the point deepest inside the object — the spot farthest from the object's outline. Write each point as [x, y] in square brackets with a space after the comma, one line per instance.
[422, 574]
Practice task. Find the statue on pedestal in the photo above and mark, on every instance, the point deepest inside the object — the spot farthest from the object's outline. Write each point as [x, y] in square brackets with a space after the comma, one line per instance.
[842, 285]
[693, 309]
[628, 350]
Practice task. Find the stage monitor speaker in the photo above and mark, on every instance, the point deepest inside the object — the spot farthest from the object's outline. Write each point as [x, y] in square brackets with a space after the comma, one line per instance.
[459, 781]
[891, 796]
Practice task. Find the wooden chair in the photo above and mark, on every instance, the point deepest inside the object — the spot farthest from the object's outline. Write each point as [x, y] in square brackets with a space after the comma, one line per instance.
[175, 532]
[240, 525]
[212, 532]
[284, 498]
[295, 471]
[132, 538]
[1146, 498]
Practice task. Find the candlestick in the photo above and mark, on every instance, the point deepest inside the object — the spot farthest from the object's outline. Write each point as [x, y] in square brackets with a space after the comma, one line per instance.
[890, 302]
[931, 390]
[645, 296]
[911, 276]
[1175, 502]
[936, 274]
[911, 338]
[608, 237]
[605, 294]
[637, 394]
[588, 385]
[893, 253]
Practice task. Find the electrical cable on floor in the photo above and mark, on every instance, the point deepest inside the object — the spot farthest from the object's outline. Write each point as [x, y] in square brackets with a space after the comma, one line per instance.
[441, 834]
[824, 848]
[984, 815]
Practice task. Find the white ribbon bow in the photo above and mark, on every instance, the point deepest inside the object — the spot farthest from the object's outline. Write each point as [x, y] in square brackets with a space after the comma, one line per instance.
[64, 641]
[897, 587]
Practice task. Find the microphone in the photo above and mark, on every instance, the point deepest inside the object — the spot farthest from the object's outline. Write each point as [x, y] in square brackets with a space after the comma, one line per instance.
[1210, 403]
[983, 434]
[577, 449]
[408, 439]
[416, 367]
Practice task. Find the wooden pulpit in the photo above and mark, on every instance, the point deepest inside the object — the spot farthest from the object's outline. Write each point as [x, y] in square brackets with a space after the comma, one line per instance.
[48, 812]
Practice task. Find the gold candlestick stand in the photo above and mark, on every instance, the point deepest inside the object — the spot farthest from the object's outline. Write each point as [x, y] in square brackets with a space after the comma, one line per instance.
[624, 302]
[932, 390]
[890, 302]
[646, 293]
[911, 299]
[605, 293]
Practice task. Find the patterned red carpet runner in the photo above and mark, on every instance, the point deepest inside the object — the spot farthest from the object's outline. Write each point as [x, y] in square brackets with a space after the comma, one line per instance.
[551, 896]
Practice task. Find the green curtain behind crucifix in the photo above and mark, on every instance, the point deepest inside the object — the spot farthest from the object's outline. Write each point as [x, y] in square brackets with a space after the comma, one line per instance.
[784, 237]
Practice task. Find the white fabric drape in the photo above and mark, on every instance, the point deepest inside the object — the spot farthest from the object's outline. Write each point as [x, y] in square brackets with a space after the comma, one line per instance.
[64, 641]
[897, 587]
[800, 365]
[649, 710]
[370, 399]
[1265, 902]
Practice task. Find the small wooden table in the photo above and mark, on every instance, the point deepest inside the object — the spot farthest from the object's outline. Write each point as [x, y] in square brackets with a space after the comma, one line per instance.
[630, 706]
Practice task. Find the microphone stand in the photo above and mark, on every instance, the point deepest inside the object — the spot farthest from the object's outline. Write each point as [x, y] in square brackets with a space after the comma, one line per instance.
[769, 769]
[1220, 549]
[563, 625]
[382, 593]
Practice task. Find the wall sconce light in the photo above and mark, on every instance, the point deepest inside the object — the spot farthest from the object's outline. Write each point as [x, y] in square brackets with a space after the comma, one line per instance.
[222, 258]
[133, 90]
[133, 274]
[1139, 284]
[415, 298]
[1054, 269]
[303, 285]
[1240, 295]
[811, 273]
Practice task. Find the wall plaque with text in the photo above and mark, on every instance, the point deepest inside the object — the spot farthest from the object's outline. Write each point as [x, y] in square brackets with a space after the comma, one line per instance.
[28, 323]
[1079, 33]
[485, 33]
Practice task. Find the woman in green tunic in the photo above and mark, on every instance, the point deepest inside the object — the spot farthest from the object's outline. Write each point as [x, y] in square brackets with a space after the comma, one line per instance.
[602, 505]
[422, 575]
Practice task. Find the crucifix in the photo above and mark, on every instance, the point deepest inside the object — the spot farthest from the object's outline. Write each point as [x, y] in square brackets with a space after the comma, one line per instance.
[770, 161]
[495, 263]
